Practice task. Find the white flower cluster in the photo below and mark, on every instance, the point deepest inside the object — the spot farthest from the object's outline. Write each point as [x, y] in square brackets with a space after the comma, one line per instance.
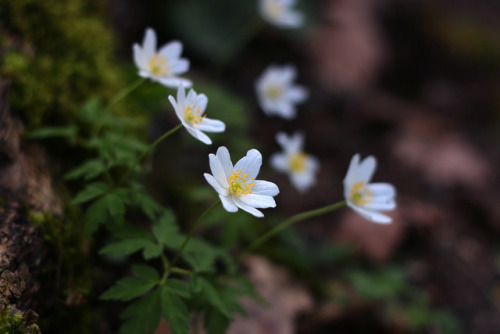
[277, 94]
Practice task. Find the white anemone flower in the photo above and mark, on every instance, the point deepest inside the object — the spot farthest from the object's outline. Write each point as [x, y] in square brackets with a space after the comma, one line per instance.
[300, 167]
[163, 65]
[237, 186]
[280, 13]
[276, 92]
[364, 197]
[190, 109]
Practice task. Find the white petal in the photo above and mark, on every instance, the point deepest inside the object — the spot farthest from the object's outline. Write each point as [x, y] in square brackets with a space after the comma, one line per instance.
[228, 203]
[218, 170]
[201, 101]
[366, 169]
[297, 94]
[247, 208]
[174, 82]
[225, 160]
[296, 143]
[200, 135]
[286, 110]
[372, 216]
[146, 74]
[381, 204]
[174, 104]
[349, 179]
[282, 139]
[291, 20]
[258, 201]
[139, 57]
[382, 189]
[279, 162]
[250, 164]
[171, 50]
[262, 187]
[180, 66]
[216, 185]
[303, 181]
[149, 42]
[211, 125]
[288, 73]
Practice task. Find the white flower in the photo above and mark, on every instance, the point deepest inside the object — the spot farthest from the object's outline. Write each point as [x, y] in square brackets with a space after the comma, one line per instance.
[368, 198]
[301, 167]
[190, 111]
[280, 13]
[163, 65]
[236, 186]
[276, 92]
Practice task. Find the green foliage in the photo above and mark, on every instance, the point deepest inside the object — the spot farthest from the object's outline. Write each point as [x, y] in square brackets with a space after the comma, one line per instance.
[12, 322]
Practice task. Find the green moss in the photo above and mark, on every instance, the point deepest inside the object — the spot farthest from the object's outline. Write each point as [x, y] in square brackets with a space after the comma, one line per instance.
[12, 322]
[56, 54]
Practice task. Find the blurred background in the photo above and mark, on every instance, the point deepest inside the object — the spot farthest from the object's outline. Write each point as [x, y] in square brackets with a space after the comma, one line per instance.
[414, 83]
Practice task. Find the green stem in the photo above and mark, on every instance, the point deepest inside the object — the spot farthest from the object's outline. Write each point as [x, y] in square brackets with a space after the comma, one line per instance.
[120, 96]
[159, 140]
[190, 234]
[180, 271]
[287, 222]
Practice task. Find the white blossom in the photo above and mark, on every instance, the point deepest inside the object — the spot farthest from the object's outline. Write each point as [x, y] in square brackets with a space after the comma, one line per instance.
[280, 13]
[276, 92]
[163, 65]
[301, 167]
[237, 186]
[190, 109]
[364, 197]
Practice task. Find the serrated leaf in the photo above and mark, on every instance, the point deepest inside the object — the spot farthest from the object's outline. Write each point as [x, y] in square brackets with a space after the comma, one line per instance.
[142, 315]
[175, 312]
[91, 191]
[89, 170]
[214, 298]
[128, 288]
[126, 246]
[116, 206]
[146, 272]
[166, 230]
[152, 250]
[96, 214]
[179, 287]
[200, 255]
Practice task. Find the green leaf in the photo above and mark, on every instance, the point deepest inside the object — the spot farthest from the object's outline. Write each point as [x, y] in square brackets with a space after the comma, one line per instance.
[200, 255]
[216, 322]
[128, 288]
[174, 311]
[214, 298]
[179, 287]
[68, 132]
[96, 214]
[92, 191]
[89, 170]
[116, 206]
[126, 246]
[91, 110]
[142, 315]
[152, 250]
[166, 230]
[145, 272]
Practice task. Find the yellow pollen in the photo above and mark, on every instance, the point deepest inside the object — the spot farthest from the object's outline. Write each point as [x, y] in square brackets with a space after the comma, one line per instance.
[193, 117]
[360, 195]
[273, 92]
[239, 185]
[297, 162]
[158, 65]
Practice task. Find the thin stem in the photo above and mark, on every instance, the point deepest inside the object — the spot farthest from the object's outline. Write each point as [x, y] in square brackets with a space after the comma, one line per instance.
[121, 95]
[190, 234]
[159, 140]
[180, 271]
[287, 222]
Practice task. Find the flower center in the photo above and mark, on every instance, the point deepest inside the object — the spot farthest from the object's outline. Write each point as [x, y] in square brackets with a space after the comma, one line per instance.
[238, 184]
[158, 65]
[274, 92]
[192, 117]
[360, 195]
[297, 162]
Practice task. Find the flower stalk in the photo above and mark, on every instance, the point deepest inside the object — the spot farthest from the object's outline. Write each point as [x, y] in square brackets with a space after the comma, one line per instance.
[125, 92]
[287, 222]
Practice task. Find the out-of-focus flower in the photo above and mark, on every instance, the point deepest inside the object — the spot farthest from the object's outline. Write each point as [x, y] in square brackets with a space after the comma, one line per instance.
[163, 65]
[236, 186]
[301, 167]
[280, 13]
[364, 197]
[190, 111]
[276, 92]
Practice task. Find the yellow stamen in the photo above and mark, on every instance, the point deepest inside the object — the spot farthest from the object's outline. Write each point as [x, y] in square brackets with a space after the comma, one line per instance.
[360, 195]
[297, 162]
[193, 118]
[239, 185]
[273, 92]
[158, 65]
